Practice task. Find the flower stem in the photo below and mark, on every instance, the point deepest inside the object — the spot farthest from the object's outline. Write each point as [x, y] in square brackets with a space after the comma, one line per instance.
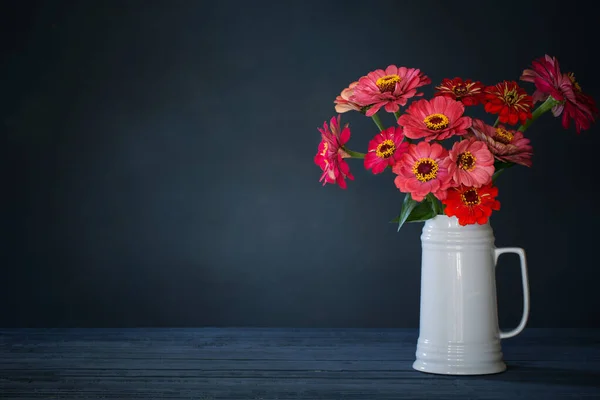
[500, 166]
[496, 123]
[544, 107]
[397, 114]
[377, 121]
[497, 174]
[354, 154]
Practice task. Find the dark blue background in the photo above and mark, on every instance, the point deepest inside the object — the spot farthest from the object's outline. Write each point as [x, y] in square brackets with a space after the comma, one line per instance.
[159, 162]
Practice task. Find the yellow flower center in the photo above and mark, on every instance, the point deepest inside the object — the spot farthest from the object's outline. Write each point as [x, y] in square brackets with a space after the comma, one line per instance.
[425, 169]
[387, 83]
[436, 121]
[460, 90]
[385, 149]
[574, 82]
[470, 197]
[466, 161]
[511, 96]
[503, 136]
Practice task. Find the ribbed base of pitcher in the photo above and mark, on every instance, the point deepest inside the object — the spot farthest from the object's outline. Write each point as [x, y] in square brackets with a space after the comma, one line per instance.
[459, 369]
[463, 359]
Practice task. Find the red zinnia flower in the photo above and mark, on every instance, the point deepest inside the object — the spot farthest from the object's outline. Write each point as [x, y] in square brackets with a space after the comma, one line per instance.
[510, 101]
[467, 91]
[331, 154]
[385, 149]
[471, 205]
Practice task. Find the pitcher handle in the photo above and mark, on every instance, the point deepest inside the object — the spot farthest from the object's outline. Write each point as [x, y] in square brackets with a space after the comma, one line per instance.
[525, 281]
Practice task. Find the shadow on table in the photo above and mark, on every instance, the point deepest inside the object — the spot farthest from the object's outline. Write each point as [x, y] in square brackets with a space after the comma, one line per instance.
[547, 375]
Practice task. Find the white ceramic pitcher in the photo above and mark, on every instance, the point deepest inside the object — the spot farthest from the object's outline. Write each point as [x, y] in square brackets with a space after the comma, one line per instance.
[458, 331]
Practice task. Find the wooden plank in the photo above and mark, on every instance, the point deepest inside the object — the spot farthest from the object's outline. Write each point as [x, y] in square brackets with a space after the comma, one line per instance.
[262, 363]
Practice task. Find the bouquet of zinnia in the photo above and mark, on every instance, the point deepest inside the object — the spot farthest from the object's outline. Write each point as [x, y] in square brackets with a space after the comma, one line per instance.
[445, 161]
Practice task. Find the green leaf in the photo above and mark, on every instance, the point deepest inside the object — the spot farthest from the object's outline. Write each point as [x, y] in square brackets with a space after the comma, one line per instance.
[414, 211]
[436, 206]
[500, 165]
[422, 212]
[407, 206]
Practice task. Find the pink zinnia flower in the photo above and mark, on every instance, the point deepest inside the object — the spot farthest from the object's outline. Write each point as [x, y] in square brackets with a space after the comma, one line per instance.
[389, 89]
[506, 145]
[385, 149]
[343, 102]
[331, 154]
[582, 110]
[423, 169]
[435, 119]
[472, 163]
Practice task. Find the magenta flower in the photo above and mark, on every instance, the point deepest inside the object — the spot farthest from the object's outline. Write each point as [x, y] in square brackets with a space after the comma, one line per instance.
[330, 155]
[582, 110]
[574, 105]
[385, 149]
[549, 81]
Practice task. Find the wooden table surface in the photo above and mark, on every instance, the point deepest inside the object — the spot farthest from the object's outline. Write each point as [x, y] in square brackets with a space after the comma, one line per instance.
[268, 364]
